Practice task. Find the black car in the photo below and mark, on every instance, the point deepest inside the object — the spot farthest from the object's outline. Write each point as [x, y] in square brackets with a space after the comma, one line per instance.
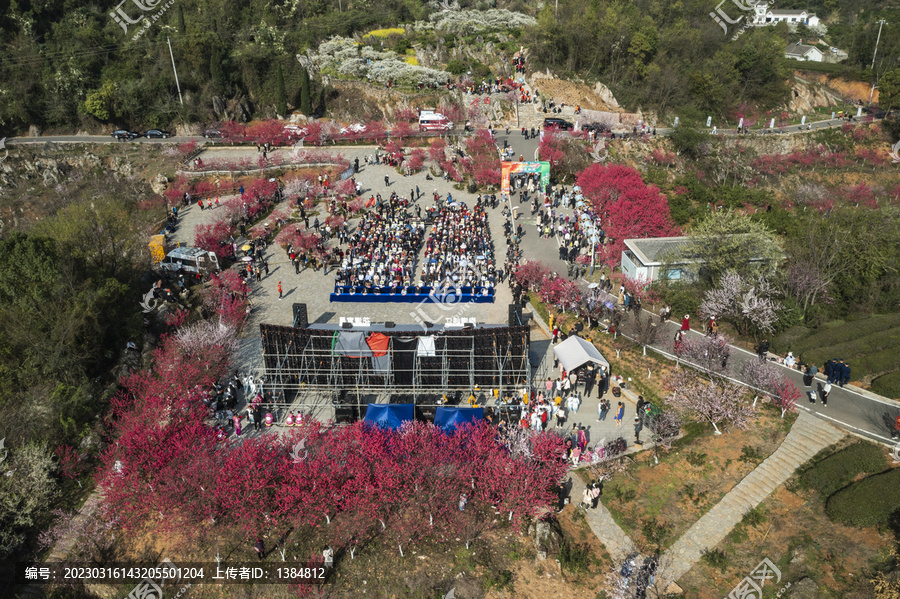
[212, 133]
[157, 133]
[125, 134]
[556, 123]
[596, 127]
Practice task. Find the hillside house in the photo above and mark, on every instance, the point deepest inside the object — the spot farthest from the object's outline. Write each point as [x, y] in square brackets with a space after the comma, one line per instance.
[763, 16]
[803, 52]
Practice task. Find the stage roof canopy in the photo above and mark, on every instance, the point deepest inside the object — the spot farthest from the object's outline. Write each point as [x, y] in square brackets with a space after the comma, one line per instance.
[390, 415]
[575, 352]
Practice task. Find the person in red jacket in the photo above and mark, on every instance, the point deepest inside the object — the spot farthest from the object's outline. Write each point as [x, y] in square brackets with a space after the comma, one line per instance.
[686, 323]
[896, 432]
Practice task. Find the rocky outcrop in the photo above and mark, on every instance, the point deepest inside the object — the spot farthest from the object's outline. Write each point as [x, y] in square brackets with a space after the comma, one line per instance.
[237, 109]
[158, 184]
[805, 97]
[607, 96]
[547, 537]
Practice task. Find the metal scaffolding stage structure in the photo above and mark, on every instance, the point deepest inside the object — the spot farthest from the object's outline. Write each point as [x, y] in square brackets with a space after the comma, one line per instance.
[310, 367]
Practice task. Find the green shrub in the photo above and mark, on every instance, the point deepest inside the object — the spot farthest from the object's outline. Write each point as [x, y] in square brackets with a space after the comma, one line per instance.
[869, 502]
[837, 470]
[696, 459]
[574, 557]
[499, 581]
[754, 517]
[750, 455]
[887, 385]
[457, 67]
[715, 558]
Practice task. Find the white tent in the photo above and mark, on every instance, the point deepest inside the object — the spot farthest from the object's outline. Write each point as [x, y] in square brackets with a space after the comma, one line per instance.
[575, 352]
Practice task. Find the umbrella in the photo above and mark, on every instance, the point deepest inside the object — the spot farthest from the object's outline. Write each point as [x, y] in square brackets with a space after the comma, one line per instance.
[246, 248]
[593, 285]
[246, 259]
[608, 304]
[579, 204]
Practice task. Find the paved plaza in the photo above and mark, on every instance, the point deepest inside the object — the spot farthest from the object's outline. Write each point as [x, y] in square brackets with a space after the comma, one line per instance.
[313, 288]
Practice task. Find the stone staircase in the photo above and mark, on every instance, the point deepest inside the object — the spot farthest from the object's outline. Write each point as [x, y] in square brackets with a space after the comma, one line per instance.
[807, 437]
[617, 543]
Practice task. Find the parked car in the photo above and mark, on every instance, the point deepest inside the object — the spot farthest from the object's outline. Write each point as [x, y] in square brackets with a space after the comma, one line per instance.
[557, 123]
[125, 134]
[295, 130]
[159, 133]
[597, 127]
[190, 260]
[212, 133]
[354, 128]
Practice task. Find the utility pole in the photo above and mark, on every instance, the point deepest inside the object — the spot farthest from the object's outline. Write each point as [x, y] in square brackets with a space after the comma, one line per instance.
[177, 84]
[881, 23]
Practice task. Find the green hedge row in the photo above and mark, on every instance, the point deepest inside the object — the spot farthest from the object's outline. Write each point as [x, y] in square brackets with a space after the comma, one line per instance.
[870, 344]
[887, 385]
[833, 473]
[869, 502]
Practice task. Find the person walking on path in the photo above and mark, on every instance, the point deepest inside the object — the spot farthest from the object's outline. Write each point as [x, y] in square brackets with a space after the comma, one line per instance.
[279, 290]
[896, 432]
[810, 375]
[620, 413]
[826, 391]
[638, 427]
[260, 548]
[602, 410]
[562, 500]
[845, 373]
[686, 323]
[586, 499]
[589, 380]
[328, 552]
[582, 438]
[595, 494]
[763, 350]
[560, 417]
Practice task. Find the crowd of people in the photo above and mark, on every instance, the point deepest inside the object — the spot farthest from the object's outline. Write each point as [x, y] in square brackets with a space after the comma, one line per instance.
[383, 249]
[459, 250]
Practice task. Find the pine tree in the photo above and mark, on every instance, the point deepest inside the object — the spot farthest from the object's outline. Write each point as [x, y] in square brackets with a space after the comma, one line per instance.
[179, 19]
[280, 96]
[305, 93]
[216, 73]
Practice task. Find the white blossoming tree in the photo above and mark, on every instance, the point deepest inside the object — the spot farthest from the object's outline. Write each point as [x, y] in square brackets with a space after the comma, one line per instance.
[747, 302]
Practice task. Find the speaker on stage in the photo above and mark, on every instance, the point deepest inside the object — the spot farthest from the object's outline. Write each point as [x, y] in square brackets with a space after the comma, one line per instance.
[515, 315]
[301, 320]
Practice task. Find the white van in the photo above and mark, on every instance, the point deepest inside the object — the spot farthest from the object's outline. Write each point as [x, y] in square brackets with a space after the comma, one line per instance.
[190, 260]
[434, 121]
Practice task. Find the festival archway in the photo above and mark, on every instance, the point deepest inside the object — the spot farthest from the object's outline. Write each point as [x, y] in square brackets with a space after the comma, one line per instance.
[515, 168]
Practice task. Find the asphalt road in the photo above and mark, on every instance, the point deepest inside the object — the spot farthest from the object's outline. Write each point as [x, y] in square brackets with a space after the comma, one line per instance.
[850, 408]
[514, 135]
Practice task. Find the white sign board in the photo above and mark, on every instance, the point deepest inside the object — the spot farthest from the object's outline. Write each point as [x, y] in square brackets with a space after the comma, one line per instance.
[357, 321]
